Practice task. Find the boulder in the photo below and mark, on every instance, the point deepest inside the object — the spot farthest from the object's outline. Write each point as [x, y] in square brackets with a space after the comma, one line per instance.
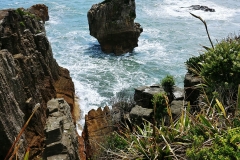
[61, 137]
[138, 113]
[143, 95]
[28, 75]
[112, 24]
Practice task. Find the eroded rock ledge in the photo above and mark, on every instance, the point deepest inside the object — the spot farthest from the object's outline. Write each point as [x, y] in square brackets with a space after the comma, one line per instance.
[61, 139]
[28, 75]
[112, 24]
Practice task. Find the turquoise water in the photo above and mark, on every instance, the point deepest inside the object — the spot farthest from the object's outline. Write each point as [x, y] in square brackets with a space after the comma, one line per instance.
[170, 36]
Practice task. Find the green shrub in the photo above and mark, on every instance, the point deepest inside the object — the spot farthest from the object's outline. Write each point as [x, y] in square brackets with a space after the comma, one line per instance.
[161, 107]
[168, 83]
[115, 142]
[194, 64]
[222, 147]
[222, 64]
[20, 11]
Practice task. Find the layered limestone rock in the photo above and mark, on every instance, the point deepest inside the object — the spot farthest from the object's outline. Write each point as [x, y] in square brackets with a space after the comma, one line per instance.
[61, 139]
[98, 125]
[28, 75]
[112, 24]
[143, 97]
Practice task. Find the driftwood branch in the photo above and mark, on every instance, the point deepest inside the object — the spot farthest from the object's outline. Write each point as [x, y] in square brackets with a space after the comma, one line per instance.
[205, 24]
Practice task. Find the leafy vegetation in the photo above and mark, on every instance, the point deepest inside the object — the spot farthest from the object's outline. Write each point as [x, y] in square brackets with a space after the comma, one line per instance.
[159, 101]
[22, 24]
[213, 132]
[168, 81]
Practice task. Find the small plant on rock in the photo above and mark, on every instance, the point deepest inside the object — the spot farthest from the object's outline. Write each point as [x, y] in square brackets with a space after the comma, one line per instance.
[168, 83]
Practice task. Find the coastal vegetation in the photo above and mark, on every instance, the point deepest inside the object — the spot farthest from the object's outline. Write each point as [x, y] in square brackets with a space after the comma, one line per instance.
[213, 132]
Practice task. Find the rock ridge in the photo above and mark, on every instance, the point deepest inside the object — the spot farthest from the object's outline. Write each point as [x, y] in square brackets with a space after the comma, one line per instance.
[28, 75]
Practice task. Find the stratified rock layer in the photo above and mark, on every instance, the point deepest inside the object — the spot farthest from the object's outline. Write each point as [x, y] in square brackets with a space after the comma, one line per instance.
[98, 126]
[28, 75]
[61, 139]
[112, 24]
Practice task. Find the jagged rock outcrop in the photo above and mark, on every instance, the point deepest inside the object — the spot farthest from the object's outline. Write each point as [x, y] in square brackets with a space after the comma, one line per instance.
[28, 75]
[203, 8]
[61, 139]
[112, 24]
[144, 106]
[98, 124]
[41, 11]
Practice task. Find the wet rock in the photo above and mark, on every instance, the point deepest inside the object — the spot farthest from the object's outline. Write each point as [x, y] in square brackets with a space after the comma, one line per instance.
[203, 8]
[112, 24]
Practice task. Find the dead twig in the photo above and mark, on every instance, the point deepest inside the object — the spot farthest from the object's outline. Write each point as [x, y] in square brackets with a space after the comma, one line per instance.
[205, 24]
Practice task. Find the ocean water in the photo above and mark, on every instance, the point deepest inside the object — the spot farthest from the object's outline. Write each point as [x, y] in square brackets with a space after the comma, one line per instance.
[170, 36]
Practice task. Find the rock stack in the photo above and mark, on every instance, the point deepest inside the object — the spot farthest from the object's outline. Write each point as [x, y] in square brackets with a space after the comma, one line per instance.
[112, 24]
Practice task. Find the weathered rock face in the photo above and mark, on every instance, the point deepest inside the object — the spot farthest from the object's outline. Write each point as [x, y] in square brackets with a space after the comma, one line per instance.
[28, 75]
[143, 95]
[191, 91]
[97, 126]
[144, 106]
[41, 11]
[112, 24]
[61, 138]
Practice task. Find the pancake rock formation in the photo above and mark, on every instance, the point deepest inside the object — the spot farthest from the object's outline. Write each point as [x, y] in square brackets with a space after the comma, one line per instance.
[111, 22]
[29, 77]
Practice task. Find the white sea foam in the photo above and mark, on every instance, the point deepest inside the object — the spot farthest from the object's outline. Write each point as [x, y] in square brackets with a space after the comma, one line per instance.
[169, 38]
[173, 8]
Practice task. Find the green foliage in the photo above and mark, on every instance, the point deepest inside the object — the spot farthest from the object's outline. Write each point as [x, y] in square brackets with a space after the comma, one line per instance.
[224, 146]
[161, 107]
[219, 69]
[20, 11]
[115, 142]
[22, 24]
[194, 64]
[222, 64]
[211, 134]
[168, 81]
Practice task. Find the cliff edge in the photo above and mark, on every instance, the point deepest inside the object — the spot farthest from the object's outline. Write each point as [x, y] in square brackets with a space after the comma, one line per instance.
[29, 75]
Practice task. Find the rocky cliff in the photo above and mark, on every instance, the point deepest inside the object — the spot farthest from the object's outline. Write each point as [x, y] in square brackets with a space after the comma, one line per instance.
[98, 125]
[61, 138]
[28, 75]
[112, 24]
